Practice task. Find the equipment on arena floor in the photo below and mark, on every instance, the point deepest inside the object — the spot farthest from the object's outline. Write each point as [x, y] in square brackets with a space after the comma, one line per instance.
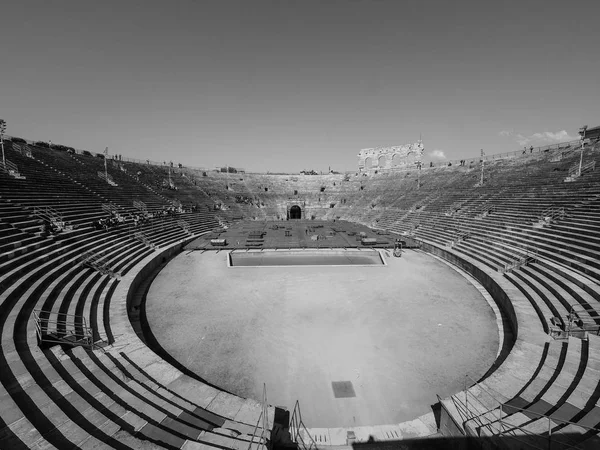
[368, 241]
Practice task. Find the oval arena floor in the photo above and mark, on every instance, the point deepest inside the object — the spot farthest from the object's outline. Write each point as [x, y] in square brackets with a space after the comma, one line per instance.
[355, 345]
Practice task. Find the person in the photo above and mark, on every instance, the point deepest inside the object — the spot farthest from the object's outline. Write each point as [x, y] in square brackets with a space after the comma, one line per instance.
[531, 149]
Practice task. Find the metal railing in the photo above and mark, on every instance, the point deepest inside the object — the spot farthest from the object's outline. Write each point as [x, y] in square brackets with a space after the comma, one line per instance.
[95, 261]
[459, 236]
[62, 328]
[184, 225]
[51, 215]
[485, 211]
[140, 205]
[530, 256]
[582, 319]
[453, 209]
[495, 422]
[262, 418]
[9, 167]
[299, 434]
[110, 208]
[143, 238]
[550, 215]
[107, 177]
[574, 170]
[22, 149]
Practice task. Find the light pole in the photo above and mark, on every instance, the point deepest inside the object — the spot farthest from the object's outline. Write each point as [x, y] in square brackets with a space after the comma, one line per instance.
[482, 164]
[2, 131]
[582, 134]
[105, 164]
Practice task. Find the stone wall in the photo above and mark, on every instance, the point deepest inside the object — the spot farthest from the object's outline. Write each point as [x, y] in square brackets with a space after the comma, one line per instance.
[390, 157]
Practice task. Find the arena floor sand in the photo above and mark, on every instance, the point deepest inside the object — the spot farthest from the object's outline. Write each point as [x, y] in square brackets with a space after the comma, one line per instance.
[394, 335]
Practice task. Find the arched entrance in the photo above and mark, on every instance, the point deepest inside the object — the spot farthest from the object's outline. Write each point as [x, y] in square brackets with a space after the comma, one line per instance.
[368, 163]
[295, 212]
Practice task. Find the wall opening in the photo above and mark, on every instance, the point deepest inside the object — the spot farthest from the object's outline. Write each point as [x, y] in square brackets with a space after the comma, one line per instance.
[295, 212]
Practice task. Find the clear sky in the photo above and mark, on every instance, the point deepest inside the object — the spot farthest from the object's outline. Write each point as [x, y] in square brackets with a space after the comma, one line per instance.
[288, 85]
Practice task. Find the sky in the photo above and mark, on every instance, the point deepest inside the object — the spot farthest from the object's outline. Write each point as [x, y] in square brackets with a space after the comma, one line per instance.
[283, 86]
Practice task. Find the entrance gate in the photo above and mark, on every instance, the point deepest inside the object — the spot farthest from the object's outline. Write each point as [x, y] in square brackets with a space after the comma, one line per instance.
[294, 212]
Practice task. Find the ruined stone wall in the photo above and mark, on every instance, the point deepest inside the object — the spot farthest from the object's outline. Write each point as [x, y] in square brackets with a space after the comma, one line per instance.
[390, 157]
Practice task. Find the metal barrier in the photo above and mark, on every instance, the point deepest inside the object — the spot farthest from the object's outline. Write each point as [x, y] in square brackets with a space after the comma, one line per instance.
[530, 256]
[140, 205]
[185, 226]
[575, 171]
[143, 238]
[110, 208]
[51, 215]
[485, 211]
[61, 328]
[459, 236]
[550, 215]
[581, 320]
[10, 168]
[95, 261]
[107, 177]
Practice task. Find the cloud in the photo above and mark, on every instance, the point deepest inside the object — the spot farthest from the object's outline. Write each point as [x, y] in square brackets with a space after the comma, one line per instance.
[437, 155]
[522, 140]
[549, 136]
[543, 138]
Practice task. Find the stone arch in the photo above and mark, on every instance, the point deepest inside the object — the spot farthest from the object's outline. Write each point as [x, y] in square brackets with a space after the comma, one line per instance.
[368, 163]
[381, 161]
[411, 158]
[295, 212]
[397, 160]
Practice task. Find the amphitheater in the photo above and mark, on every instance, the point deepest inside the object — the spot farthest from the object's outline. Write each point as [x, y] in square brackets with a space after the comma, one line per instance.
[82, 364]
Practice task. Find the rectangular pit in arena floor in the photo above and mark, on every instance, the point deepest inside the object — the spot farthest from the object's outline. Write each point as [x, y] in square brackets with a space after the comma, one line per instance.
[305, 257]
